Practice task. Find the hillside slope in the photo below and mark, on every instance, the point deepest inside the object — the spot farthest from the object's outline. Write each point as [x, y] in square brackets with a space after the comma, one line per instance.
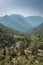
[38, 30]
[16, 22]
[34, 20]
[8, 30]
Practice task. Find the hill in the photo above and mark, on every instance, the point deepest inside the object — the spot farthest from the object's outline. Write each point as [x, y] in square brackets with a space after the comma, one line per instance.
[21, 23]
[34, 20]
[6, 40]
[16, 22]
[38, 30]
[8, 30]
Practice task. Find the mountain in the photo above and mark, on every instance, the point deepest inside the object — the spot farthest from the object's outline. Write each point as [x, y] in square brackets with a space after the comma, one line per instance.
[21, 23]
[34, 20]
[6, 40]
[37, 30]
[16, 22]
[8, 30]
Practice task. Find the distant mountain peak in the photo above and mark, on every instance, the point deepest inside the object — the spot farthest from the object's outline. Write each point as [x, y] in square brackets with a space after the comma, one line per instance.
[6, 16]
[21, 23]
[16, 15]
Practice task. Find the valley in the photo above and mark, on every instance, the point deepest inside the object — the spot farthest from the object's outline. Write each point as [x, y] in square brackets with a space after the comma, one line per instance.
[20, 23]
[18, 48]
[21, 32]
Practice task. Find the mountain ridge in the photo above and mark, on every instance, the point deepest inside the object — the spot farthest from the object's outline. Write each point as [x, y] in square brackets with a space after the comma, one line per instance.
[35, 20]
[8, 30]
[37, 30]
[16, 22]
[21, 23]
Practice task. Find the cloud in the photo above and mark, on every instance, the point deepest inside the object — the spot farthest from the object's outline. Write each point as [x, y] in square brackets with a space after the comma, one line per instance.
[25, 7]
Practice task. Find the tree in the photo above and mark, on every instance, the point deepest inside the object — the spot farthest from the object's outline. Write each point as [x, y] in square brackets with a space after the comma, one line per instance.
[12, 52]
[34, 49]
[4, 52]
[22, 52]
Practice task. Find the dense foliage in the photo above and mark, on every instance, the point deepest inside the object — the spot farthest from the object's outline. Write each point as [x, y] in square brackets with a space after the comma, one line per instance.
[28, 50]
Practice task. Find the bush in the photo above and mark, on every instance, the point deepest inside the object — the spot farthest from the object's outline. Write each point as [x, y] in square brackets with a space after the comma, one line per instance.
[12, 52]
[2, 57]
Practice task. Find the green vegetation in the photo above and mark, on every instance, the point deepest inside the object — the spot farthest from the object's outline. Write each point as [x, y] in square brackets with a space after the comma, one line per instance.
[37, 30]
[8, 30]
[26, 50]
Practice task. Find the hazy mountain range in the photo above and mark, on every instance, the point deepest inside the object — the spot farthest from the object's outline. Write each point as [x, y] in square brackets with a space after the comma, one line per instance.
[37, 30]
[8, 30]
[21, 23]
[34, 20]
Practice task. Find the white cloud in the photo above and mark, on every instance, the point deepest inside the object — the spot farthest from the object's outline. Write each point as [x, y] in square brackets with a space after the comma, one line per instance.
[14, 6]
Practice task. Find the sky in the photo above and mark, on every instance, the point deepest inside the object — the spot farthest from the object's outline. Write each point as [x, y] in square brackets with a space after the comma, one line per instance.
[23, 7]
